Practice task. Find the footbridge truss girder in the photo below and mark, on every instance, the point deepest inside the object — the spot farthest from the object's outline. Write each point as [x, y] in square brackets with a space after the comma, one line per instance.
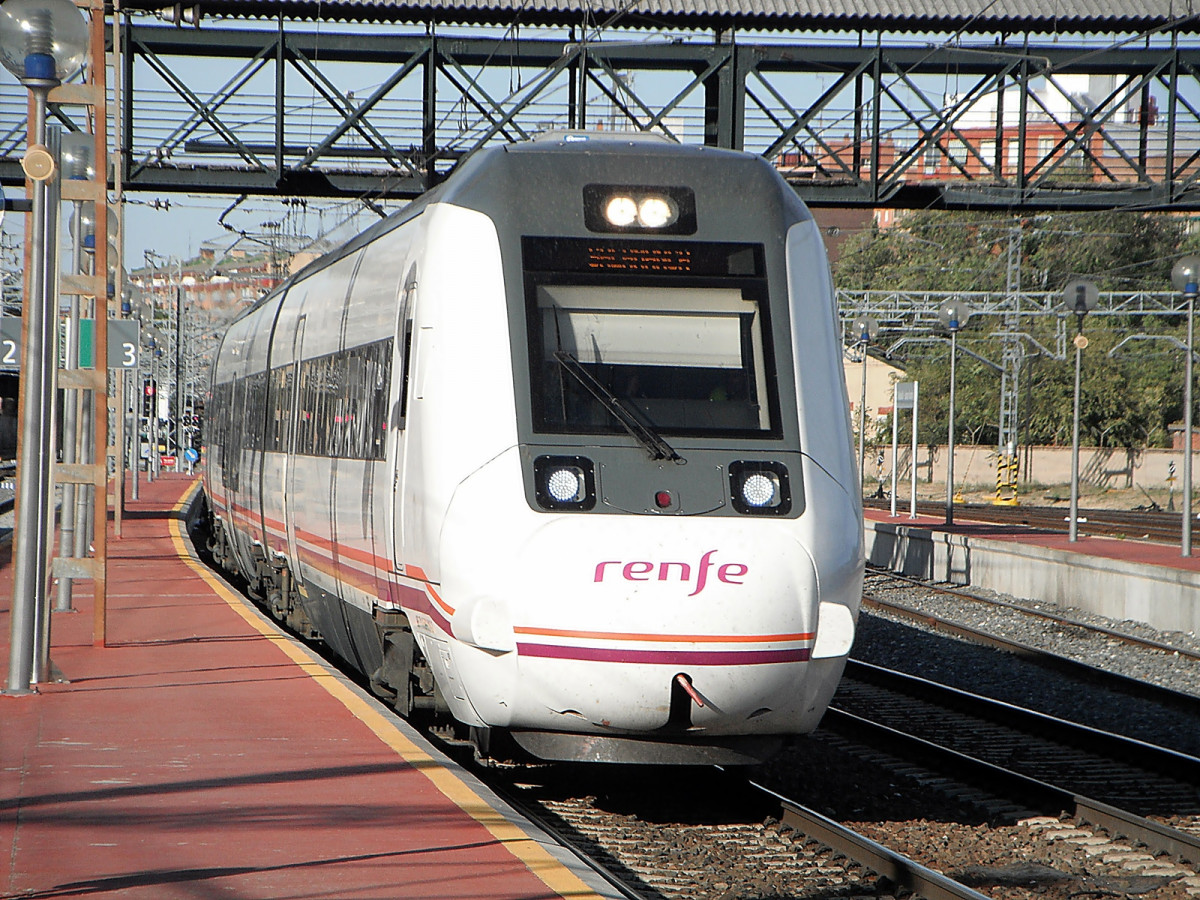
[384, 114]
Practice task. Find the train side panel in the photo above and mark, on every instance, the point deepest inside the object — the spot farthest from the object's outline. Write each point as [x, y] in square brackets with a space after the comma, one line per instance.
[235, 491]
[283, 416]
[460, 416]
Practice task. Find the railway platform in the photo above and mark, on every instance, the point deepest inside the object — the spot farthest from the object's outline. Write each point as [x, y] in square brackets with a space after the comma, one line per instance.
[201, 754]
[1134, 580]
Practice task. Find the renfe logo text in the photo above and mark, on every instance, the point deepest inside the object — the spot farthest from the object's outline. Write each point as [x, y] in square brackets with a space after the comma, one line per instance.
[640, 570]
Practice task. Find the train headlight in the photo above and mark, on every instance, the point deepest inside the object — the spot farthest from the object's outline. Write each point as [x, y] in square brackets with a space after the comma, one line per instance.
[564, 482]
[657, 212]
[621, 211]
[760, 488]
[639, 209]
[565, 485]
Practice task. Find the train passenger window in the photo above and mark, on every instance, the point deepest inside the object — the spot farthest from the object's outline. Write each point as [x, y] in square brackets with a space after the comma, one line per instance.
[343, 403]
[255, 411]
[223, 409]
[687, 359]
[304, 418]
[280, 412]
[234, 435]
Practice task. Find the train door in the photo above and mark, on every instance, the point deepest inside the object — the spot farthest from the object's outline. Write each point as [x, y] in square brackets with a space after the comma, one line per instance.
[400, 370]
[289, 464]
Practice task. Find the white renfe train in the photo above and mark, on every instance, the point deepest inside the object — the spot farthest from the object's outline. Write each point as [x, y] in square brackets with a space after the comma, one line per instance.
[562, 448]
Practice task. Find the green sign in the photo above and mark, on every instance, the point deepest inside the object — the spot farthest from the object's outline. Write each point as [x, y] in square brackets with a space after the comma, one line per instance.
[123, 337]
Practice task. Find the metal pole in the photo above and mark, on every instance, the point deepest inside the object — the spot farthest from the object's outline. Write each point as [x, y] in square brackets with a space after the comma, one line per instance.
[48, 362]
[152, 464]
[83, 494]
[895, 445]
[136, 392]
[118, 170]
[178, 375]
[33, 474]
[1186, 534]
[912, 502]
[1073, 529]
[950, 438]
[862, 424]
[70, 445]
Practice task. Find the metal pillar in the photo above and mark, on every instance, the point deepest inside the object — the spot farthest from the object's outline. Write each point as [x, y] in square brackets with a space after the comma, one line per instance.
[1186, 533]
[179, 375]
[1073, 524]
[862, 424]
[912, 502]
[950, 432]
[33, 472]
[70, 422]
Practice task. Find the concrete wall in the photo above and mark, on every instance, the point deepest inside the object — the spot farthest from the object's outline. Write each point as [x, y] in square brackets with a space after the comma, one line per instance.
[1107, 467]
[1164, 598]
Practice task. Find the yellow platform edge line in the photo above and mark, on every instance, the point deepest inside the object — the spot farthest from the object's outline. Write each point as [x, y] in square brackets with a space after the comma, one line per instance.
[533, 855]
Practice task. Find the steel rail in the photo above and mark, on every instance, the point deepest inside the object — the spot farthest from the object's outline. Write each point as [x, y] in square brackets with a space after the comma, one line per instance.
[1049, 798]
[1134, 687]
[906, 873]
[1145, 756]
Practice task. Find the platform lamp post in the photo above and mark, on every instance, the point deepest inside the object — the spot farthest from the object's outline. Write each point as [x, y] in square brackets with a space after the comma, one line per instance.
[41, 43]
[1185, 276]
[1079, 298]
[954, 314]
[865, 328]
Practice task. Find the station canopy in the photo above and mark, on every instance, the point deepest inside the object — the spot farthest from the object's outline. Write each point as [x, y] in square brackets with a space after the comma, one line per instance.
[1004, 17]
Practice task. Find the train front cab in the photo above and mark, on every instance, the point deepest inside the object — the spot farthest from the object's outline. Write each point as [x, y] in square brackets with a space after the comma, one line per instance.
[594, 607]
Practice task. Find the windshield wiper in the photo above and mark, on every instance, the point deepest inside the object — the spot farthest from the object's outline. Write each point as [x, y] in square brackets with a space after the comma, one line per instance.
[642, 432]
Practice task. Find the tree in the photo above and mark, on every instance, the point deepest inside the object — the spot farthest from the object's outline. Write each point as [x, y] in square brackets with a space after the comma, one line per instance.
[1127, 401]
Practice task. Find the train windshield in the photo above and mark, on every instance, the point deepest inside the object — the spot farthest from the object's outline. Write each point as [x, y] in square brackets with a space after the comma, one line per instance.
[686, 356]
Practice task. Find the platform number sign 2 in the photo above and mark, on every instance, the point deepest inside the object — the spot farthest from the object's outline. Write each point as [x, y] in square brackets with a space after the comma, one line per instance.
[10, 342]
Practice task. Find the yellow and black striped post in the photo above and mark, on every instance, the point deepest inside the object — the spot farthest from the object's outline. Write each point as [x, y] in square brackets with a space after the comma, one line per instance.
[1006, 480]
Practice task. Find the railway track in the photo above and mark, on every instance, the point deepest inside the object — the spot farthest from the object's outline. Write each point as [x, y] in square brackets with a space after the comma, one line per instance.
[1163, 527]
[686, 835]
[952, 624]
[1119, 677]
[707, 833]
[1114, 769]
[701, 834]
[1018, 755]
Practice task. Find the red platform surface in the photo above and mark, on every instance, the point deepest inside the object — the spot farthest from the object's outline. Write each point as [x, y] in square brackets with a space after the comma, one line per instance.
[201, 754]
[1145, 552]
